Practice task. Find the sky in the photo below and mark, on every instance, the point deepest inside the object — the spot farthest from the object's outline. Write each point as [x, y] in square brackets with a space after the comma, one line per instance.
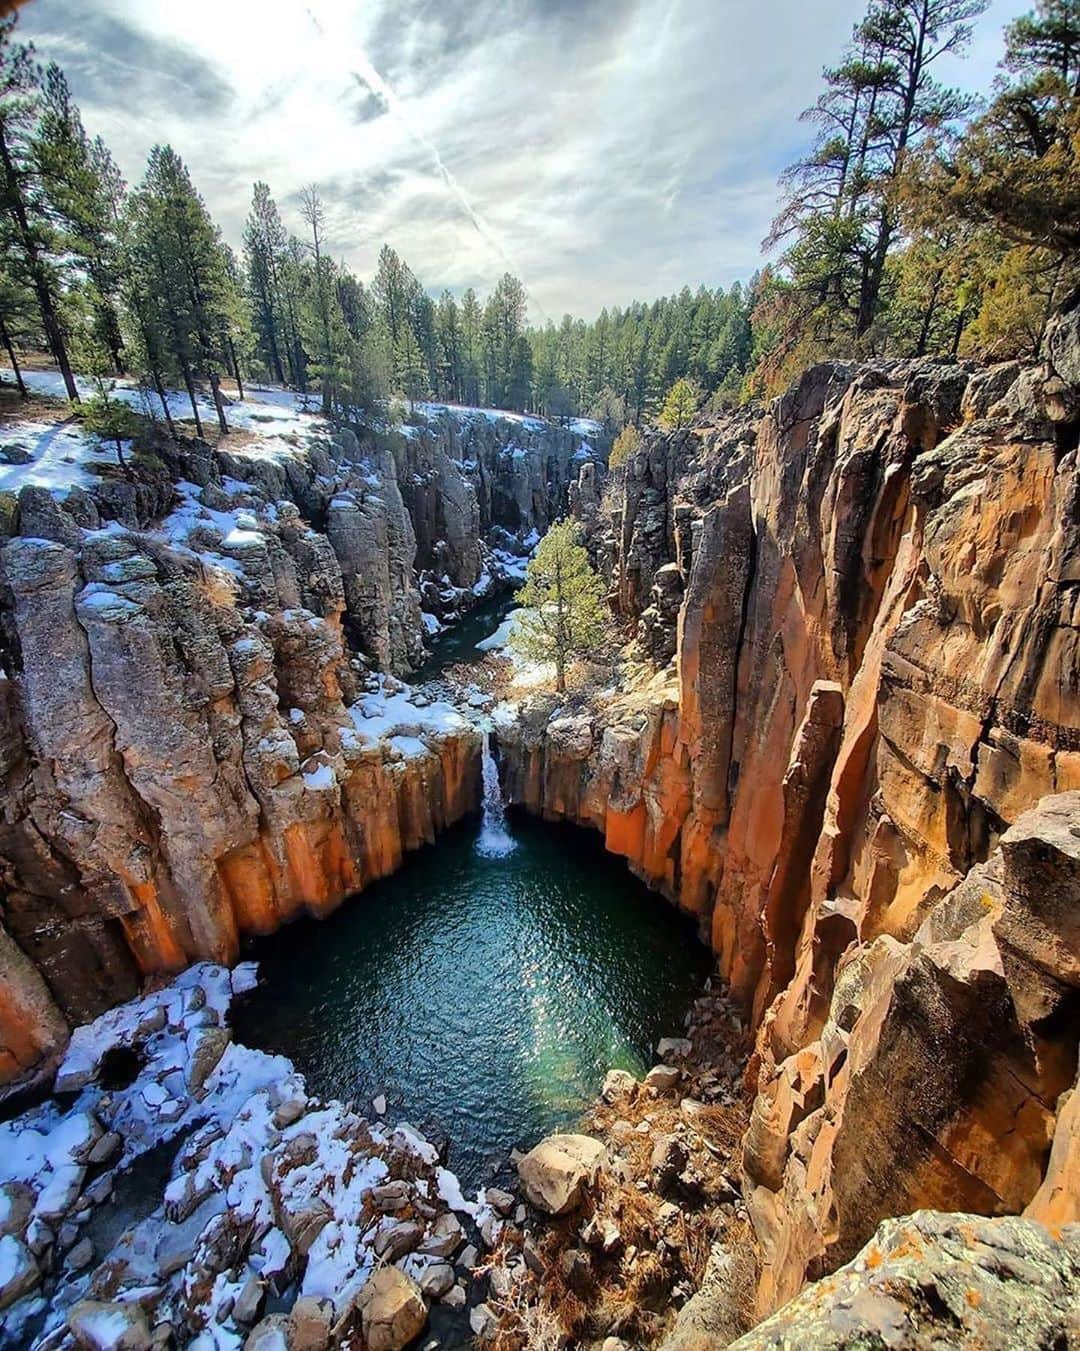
[602, 150]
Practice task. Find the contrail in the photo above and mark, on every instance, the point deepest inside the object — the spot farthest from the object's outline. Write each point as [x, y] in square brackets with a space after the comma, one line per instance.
[368, 77]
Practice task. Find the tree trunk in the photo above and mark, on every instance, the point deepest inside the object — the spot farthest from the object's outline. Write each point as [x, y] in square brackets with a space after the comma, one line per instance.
[164, 402]
[215, 385]
[50, 322]
[190, 386]
[123, 462]
[928, 314]
[235, 367]
[5, 338]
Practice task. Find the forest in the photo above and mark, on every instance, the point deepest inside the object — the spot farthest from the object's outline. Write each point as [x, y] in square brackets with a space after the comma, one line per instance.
[921, 221]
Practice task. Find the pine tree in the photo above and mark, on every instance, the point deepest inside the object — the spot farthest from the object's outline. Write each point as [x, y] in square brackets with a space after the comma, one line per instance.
[180, 268]
[21, 199]
[264, 247]
[108, 419]
[680, 405]
[328, 346]
[84, 192]
[565, 617]
[1017, 168]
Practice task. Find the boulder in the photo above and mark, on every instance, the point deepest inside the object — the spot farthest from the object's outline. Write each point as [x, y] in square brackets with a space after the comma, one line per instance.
[663, 1078]
[310, 1324]
[19, 1273]
[392, 1310]
[104, 1326]
[556, 1173]
[617, 1084]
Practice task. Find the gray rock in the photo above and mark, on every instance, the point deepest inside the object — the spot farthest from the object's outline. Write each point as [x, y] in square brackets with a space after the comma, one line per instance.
[674, 1046]
[445, 1237]
[483, 1322]
[105, 1149]
[933, 1280]
[249, 1301]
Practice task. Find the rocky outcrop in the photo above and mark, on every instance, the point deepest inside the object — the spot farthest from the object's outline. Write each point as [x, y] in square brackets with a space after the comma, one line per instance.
[876, 679]
[187, 657]
[940, 1280]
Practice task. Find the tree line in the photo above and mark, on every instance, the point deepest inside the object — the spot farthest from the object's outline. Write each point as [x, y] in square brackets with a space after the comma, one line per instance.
[920, 221]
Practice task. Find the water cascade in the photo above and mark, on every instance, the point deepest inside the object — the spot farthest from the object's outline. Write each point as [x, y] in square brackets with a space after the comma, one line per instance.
[495, 840]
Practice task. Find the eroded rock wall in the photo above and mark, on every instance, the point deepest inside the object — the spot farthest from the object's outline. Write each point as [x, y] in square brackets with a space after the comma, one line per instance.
[876, 674]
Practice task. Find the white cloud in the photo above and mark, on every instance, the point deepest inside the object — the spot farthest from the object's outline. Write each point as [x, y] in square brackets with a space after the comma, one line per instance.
[602, 149]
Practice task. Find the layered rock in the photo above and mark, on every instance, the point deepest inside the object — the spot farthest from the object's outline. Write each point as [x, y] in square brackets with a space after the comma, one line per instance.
[876, 675]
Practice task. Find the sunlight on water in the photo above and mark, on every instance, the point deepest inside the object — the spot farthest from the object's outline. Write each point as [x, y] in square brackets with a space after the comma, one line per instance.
[485, 996]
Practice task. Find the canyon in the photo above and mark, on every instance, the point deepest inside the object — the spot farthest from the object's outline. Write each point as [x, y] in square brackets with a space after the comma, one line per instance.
[845, 739]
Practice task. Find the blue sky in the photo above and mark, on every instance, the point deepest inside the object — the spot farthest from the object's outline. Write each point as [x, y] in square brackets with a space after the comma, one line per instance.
[601, 149]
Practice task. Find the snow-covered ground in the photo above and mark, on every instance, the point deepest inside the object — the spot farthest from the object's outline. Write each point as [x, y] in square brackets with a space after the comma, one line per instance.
[282, 421]
[63, 456]
[270, 1190]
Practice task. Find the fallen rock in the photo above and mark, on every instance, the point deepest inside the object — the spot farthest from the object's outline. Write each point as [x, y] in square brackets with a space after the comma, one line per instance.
[310, 1323]
[445, 1237]
[673, 1046]
[617, 1084]
[18, 1270]
[249, 1301]
[99, 1326]
[557, 1172]
[500, 1200]
[210, 1044]
[272, 1334]
[392, 1310]
[396, 1238]
[16, 1203]
[483, 1322]
[663, 1078]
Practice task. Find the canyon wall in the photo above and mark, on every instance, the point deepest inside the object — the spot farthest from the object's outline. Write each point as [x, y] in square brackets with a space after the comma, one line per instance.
[195, 740]
[859, 771]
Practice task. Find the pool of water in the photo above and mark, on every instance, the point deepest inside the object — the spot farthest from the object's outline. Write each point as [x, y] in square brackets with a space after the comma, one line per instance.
[458, 643]
[485, 994]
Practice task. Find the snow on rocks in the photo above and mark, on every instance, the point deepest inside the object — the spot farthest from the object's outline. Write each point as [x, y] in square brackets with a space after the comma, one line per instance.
[270, 1193]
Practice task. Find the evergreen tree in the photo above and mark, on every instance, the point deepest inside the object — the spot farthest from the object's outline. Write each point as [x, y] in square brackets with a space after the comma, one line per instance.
[84, 192]
[181, 268]
[565, 617]
[22, 201]
[264, 248]
[680, 405]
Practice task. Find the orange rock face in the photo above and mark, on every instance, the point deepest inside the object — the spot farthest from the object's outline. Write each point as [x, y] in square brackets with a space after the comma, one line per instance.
[876, 680]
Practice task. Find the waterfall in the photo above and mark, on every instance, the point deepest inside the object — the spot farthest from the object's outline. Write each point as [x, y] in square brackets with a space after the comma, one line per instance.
[495, 840]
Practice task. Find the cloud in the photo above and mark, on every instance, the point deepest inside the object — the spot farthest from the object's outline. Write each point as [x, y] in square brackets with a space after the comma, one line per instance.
[112, 61]
[602, 149]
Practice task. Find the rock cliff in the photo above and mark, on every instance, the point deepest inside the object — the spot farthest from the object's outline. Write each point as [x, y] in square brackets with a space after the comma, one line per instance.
[859, 771]
[196, 742]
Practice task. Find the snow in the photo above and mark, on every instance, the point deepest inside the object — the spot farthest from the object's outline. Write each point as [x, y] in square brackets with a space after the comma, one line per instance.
[321, 776]
[501, 637]
[63, 456]
[236, 1158]
[386, 713]
[12, 1259]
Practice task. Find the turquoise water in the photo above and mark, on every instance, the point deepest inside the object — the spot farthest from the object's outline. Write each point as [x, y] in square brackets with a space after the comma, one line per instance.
[486, 997]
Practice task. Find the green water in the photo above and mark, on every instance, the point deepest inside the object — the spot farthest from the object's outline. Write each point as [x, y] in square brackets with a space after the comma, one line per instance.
[457, 645]
[486, 997]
